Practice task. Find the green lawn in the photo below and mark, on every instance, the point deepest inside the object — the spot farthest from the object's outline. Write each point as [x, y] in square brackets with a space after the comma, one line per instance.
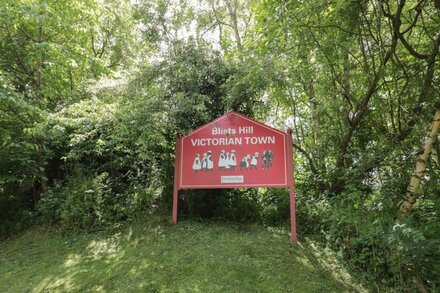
[155, 256]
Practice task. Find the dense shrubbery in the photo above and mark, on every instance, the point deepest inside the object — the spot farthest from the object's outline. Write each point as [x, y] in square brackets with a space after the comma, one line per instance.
[90, 202]
[363, 229]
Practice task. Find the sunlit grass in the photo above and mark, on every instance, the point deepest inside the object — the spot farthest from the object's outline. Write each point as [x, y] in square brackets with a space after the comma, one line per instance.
[155, 256]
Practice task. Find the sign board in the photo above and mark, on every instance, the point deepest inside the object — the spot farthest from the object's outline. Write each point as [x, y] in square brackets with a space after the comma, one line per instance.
[234, 151]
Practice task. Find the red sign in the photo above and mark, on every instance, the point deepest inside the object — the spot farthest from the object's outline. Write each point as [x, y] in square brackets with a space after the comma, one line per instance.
[234, 151]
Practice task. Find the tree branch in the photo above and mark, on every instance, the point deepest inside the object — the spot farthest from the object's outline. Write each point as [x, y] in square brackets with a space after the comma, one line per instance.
[308, 157]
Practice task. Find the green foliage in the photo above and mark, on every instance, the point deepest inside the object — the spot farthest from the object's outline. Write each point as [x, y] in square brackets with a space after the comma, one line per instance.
[414, 243]
[91, 202]
[19, 149]
[275, 206]
[361, 227]
[109, 153]
[49, 51]
[44, 52]
[17, 140]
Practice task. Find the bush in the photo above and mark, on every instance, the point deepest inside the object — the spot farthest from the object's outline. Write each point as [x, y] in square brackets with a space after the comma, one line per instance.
[92, 202]
[275, 206]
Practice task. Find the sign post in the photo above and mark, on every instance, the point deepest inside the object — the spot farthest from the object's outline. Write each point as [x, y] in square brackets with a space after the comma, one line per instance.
[176, 180]
[291, 177]
[234, 151]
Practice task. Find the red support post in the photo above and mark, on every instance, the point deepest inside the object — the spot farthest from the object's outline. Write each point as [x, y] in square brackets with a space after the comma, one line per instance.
[176, 179]
[291, 184]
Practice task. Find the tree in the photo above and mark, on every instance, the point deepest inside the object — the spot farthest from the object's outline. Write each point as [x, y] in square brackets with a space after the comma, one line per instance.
[422, 160]
[49, 51]
[341, 62]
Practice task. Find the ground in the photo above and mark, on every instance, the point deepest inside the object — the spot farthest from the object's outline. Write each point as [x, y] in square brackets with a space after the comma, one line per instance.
[152, 255]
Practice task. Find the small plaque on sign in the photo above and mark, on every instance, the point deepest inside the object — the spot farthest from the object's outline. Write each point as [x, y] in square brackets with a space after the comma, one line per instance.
[232, 179]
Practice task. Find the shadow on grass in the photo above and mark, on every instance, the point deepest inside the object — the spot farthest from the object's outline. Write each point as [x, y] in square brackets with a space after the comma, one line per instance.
[155, 256]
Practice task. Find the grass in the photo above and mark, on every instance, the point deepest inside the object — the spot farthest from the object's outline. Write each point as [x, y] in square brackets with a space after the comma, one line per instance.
[152, 255]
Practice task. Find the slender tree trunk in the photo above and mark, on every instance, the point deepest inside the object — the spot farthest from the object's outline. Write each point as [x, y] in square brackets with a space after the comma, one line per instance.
[38, 74]
[411, 193]
[232, 11]
[317, 128]
[42, 174]
[437, 150]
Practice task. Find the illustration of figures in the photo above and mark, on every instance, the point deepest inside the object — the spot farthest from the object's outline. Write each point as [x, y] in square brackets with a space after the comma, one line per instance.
[197, 166]
[244, 164]
[232, 161]
[205, 162]
[210, 163]
[222, 163]
[264, 160]
[254, 161]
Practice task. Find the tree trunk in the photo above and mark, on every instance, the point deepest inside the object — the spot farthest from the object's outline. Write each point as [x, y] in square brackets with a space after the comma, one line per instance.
[316, 126]
[40, 161]
[232, 11]
[42, 174]
[416, 178]
[437, 150]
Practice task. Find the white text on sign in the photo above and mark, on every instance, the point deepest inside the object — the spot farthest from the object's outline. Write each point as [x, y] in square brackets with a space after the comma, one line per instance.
[232, 140]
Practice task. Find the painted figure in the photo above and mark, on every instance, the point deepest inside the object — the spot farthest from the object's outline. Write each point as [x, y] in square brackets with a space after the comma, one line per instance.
[228, 157]
[232, 161]
[205, 162]
[264, 160]
[222, 163]
[254, 161]
[210, 162]
[197, 166]
[269, 158]
[244, 164]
